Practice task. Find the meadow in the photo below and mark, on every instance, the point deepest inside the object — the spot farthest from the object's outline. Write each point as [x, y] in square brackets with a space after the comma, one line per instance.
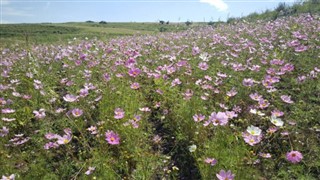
[233, 101]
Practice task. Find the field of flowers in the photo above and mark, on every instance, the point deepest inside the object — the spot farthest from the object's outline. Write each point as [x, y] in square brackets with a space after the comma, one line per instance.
[238, 101]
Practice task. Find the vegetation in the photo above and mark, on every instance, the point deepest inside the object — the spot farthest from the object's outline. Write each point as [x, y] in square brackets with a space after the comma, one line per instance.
[237, 100]
[307, 6]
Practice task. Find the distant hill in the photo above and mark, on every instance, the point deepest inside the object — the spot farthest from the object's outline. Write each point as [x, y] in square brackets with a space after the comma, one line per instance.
[307, 6]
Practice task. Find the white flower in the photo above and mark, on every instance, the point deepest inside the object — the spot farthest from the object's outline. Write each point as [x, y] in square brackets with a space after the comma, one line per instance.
[276, 121]
[253, 130]
[192, 148]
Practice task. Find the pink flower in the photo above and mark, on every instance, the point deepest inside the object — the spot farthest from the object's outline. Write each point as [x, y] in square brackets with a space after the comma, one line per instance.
[203, 66]
[294, 157]
[90, 170]
[219, 118]
[4, 131]
[223, 175]
[263, 103]
[134, 72]
[251, 139]
[7, 111]
[198, 117]
[135, 85]
[70, 98]
[77, 112]
[247, 82]
[39, 114]
[118, 113]
[255, 96]
[211, 161]
[286, 99]
[112, 138]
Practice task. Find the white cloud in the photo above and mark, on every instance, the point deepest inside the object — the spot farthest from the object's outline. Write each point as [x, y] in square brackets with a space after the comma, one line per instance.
[219, 4]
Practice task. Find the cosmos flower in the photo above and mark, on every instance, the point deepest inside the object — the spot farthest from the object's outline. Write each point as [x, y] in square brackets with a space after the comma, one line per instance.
[203, 66]
[219, 118]
[135, 85]
[11, 177]
[253, 130]
[70, 98]
[198, 117]
[134, 72]
[294, 157]
[286, 99]
[223, 175]
[112, 138]
[77, 112]
[90, 170]
[248, 82]
[211, 161]
[39, 114]
[276, 121]
[251, 139]
[7, 111]
[118, 113]
[192, 148]
[4, 131]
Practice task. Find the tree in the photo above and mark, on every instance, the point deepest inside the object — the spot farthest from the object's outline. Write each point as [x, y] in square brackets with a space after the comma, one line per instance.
[188, 23]
[102, 22]
[161, 22]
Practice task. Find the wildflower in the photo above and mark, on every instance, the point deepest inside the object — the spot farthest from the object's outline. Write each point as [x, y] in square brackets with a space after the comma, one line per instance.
[276, 121]
[84, 92]
[7, 111]
[203, 66]
[93, 129]
[211, 161]
[247, 82]
[198, 117]
[70, 98]
[294, 156]
[106, 77]
[286, 99]
[4, 131]
[135, 85]
[253, 130]
[192, 148]
[65, 139]
[118, 113]
[39, 114]
[90, 170]
[255, 96]
[157, 139]
[188, 94]
[251, 139]
[134, 72]
[145, 109]
[276, 113]
[77, 112]
[175, 82]
[223, 175]
[8, 119]
[11, 177]
[265, 155]
[263, 103]
[232, 92]
[112, 138]
[50, 145]
[219, 118]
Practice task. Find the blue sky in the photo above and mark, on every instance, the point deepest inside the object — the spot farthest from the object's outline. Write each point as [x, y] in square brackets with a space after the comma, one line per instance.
[37, 11]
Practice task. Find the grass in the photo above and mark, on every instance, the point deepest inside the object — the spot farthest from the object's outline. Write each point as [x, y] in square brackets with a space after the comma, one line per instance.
[58, 33]
[193, 100]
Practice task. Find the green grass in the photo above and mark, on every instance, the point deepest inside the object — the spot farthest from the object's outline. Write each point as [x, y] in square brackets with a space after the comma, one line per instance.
[60, 33]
